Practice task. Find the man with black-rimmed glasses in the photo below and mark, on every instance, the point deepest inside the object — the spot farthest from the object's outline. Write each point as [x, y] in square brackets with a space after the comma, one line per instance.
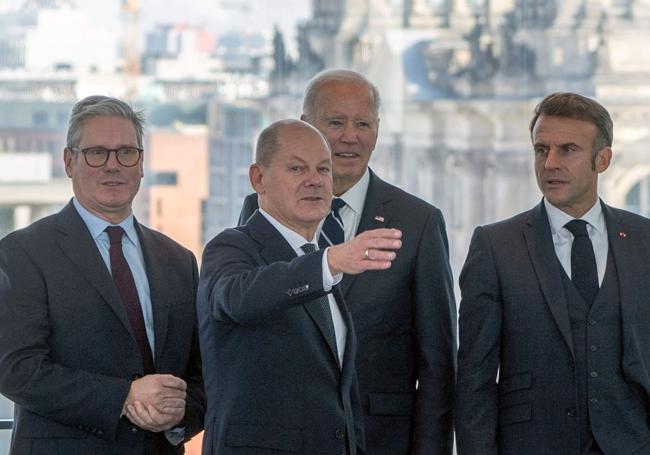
[98, 342]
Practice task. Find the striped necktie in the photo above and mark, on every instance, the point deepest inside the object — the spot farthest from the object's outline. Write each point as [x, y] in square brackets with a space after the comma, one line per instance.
[332, 231]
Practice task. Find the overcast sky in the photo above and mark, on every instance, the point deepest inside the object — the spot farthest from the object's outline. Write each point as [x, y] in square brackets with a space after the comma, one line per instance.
[216, 15]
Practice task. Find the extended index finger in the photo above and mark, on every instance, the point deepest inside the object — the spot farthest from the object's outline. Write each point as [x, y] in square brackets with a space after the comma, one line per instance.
[388, 233]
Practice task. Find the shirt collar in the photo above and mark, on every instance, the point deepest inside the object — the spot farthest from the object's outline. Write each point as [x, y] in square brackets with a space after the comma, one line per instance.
[356, 195]
[557, 218]
[294, 239]
[96, 225]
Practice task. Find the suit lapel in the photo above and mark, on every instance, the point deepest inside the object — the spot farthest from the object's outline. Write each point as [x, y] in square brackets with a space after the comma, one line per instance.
[77, 244]
[625, 250]
[349, 356]
[537, 233]
[377, 212]
[155, 264]
[273, 247]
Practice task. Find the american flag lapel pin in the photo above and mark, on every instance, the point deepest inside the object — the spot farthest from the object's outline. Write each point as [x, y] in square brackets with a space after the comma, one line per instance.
[379, 218]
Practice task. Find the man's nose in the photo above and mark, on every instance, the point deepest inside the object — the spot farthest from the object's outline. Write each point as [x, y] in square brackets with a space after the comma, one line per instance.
[314, 178]
[552, 159]
[111, 162]
[349, 133]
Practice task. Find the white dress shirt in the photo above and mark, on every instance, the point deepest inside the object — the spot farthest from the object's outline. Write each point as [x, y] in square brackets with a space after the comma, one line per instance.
[134, 257]
[354, 199]
[296, 241]
[563, 239]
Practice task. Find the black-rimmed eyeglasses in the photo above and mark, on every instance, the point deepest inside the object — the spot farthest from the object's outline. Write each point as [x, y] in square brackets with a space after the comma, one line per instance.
[98, 156]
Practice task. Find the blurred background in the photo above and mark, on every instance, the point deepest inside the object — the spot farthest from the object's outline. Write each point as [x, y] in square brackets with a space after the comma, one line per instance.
[458, 78]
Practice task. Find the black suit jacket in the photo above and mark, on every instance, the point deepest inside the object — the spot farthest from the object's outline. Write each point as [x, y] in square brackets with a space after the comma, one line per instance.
[272, 379]
[405, 319]
[67, 355]
[514, 319]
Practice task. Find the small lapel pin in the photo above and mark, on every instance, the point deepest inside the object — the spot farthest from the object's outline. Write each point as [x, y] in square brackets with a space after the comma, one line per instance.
[379, 218]
[622, 234]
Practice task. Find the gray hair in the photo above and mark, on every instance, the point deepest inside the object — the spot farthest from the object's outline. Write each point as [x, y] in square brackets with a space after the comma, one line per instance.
[98, 106]
[335, 75]
[268, 140]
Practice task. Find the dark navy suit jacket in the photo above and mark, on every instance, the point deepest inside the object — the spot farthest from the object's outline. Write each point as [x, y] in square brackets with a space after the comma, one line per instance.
[514, 319]
[67, 354]
[405, 318]
[272, 378]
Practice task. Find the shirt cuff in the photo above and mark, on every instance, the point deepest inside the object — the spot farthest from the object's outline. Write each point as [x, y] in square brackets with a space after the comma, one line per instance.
[328, 280]
[175, 436]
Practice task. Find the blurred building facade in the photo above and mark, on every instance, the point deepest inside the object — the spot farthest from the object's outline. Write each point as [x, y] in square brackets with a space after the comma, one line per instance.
[459, 81]
[177, 182]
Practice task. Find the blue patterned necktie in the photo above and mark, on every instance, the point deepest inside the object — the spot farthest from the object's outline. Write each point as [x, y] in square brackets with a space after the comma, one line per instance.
[332, 230]
[584, 273]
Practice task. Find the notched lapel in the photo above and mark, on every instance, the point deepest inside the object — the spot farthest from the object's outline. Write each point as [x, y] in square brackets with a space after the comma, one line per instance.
[154, 263]
[547, 268]
[625, 250]
[347, 369]
[377, 213]
[77, 244]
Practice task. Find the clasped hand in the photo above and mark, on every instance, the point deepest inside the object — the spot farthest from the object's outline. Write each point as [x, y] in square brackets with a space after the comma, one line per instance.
[156, 402]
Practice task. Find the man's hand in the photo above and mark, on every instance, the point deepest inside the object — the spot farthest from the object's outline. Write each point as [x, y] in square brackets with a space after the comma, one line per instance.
[370, 250]
[156, 402]
[149, 418]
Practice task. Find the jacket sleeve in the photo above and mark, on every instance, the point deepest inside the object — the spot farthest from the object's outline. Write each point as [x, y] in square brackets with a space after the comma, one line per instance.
[195, 402]
[435, 324]
[479, 353]
[236, 288]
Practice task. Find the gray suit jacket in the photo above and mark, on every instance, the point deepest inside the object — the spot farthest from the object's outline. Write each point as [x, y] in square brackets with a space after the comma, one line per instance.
[405, 319]
[67, 354]
[514, 319]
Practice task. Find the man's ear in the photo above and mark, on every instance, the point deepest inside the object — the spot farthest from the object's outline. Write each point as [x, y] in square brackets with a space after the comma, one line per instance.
[256, 176]
[67, 159]
[603, 158]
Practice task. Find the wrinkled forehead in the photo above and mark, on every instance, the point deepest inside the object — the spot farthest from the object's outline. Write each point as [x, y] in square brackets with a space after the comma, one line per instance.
[346, 97]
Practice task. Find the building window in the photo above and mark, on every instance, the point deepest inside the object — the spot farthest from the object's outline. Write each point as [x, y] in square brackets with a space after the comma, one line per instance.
[40, 118]
[637, 199]
[163, 178]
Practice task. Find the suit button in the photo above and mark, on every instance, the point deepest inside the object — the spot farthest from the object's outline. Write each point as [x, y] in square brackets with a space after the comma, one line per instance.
[100, 432]
[593, 374]
[593, 401]
[339, 433]
[134, 430]
[572, 366]
[571, 412]
[592, 321]
[593, 348]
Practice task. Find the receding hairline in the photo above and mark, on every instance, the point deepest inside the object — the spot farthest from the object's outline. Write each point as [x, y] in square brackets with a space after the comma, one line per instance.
[274, 136]
[333, 76]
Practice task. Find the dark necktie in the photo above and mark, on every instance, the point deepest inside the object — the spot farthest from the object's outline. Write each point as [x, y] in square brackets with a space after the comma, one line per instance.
[584, 273]
[332, 230]
[123, 279]
[324, 304]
